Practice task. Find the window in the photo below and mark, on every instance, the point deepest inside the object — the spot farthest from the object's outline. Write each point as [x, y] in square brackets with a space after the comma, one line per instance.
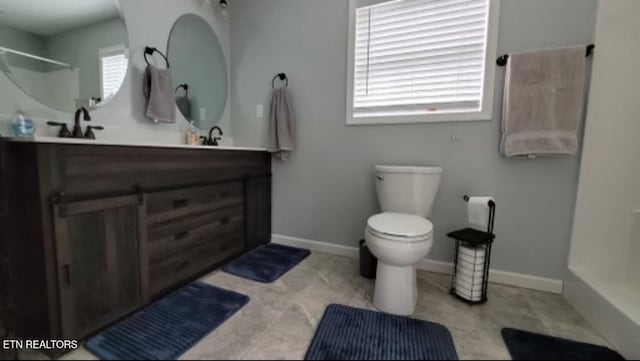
[414, 61]
[113, 68]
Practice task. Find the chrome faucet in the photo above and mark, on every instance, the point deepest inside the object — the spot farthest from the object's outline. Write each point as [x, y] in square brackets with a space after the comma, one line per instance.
[77, 128]
[213, 140]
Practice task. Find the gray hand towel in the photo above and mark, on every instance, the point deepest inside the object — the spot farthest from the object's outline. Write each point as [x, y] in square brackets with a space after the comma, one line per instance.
[282, 125]
[184, 104]
[543, 102]
[158, 89]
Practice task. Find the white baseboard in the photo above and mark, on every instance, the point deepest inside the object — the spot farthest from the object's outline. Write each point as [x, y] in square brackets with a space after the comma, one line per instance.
[496, 276]
[315, 245]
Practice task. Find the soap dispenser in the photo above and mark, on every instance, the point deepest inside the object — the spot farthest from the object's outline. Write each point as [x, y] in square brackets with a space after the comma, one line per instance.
[193, 134]
[22, 125]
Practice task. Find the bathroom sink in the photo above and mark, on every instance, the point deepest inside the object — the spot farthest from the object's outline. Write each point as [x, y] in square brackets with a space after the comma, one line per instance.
[128, 143]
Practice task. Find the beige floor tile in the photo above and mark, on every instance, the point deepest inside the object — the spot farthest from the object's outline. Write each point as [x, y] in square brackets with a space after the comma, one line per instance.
[275, 345]
[321, 293]
[297, 322]
[79, 354]
[281, 318]
[228, 281]
[230, 341]
[316, 261]
[479, 345]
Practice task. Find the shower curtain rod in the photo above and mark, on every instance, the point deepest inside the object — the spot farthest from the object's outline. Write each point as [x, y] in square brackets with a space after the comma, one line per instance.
[27, 55]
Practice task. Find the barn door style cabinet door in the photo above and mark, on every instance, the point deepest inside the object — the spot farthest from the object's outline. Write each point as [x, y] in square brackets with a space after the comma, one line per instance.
[100, 243]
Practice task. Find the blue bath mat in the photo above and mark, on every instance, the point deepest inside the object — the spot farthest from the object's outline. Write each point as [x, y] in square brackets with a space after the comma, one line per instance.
[266, 263]
[347, 333]
[531, 346]
[167, 328]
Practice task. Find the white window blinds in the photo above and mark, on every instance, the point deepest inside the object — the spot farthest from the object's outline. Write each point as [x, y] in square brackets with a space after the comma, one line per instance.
[114, 69]
[419, 56]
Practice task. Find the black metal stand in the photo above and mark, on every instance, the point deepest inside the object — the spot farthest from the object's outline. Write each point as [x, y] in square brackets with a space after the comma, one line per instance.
[477, 240]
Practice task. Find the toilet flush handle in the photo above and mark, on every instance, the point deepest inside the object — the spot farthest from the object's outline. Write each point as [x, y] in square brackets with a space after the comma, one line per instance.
[380, 178]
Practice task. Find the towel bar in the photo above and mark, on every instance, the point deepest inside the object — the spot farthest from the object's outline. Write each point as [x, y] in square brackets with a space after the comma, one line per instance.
[502, 61]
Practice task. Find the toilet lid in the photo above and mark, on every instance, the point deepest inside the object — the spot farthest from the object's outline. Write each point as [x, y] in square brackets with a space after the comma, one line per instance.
[401, 225]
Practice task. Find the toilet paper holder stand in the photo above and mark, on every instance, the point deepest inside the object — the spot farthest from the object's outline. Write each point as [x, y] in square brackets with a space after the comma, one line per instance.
[480, 244]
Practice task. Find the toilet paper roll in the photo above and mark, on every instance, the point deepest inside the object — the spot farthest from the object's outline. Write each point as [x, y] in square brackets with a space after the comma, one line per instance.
[469, 295]
[471, 254]
[467, 285]
[478, 209]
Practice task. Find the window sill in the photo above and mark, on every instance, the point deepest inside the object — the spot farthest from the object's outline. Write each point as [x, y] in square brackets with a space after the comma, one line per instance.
[420, 119]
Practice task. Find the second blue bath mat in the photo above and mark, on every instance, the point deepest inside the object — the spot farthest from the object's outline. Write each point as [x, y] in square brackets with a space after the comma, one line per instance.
[266, 263]
[169, 327]
[347, 333]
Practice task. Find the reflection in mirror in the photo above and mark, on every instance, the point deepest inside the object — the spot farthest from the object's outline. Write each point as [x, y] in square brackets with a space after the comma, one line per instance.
[65, 54]
[199, 70]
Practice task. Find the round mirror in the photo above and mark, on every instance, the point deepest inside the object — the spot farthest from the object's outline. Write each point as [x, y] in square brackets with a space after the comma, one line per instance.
[64, 54]
[199, 71]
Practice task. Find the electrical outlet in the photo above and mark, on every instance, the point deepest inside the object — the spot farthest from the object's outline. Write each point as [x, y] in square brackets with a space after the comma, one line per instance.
[203, 114]
[260, 111]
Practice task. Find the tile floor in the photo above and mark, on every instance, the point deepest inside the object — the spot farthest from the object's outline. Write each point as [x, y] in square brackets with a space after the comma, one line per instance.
[280, 320]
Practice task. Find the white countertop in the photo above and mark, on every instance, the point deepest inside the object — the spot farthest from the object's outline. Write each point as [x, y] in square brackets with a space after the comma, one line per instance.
[53, 140]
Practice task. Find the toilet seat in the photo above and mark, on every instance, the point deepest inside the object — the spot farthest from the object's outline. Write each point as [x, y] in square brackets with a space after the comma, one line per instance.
[400, 227]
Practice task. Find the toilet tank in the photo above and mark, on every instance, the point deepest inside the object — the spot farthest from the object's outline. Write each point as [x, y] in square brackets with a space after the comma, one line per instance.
[410, 190]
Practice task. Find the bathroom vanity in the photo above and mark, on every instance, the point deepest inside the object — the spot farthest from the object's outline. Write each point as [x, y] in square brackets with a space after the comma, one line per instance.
[94, 232]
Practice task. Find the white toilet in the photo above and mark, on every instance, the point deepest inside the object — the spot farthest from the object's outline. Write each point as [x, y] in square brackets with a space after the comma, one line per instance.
[402, 236]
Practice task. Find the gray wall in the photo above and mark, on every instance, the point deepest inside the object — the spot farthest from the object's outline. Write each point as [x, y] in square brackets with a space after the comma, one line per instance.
[325, 192]
[81, 47]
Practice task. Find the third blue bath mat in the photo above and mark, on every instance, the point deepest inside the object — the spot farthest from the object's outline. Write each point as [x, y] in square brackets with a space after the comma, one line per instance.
[266, 263]
[167, 328]
[347, 333]
[525, 345]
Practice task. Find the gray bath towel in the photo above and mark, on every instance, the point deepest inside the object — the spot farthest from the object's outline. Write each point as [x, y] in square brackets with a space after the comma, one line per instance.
[282, 125]
[158, 89]
[543, 102]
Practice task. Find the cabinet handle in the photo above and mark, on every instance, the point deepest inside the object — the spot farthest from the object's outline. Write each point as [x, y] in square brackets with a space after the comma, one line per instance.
[182, 235]
[180, 203]
[66, 276]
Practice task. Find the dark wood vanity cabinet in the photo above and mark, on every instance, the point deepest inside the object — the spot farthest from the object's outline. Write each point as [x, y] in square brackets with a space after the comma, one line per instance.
[95, 232]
